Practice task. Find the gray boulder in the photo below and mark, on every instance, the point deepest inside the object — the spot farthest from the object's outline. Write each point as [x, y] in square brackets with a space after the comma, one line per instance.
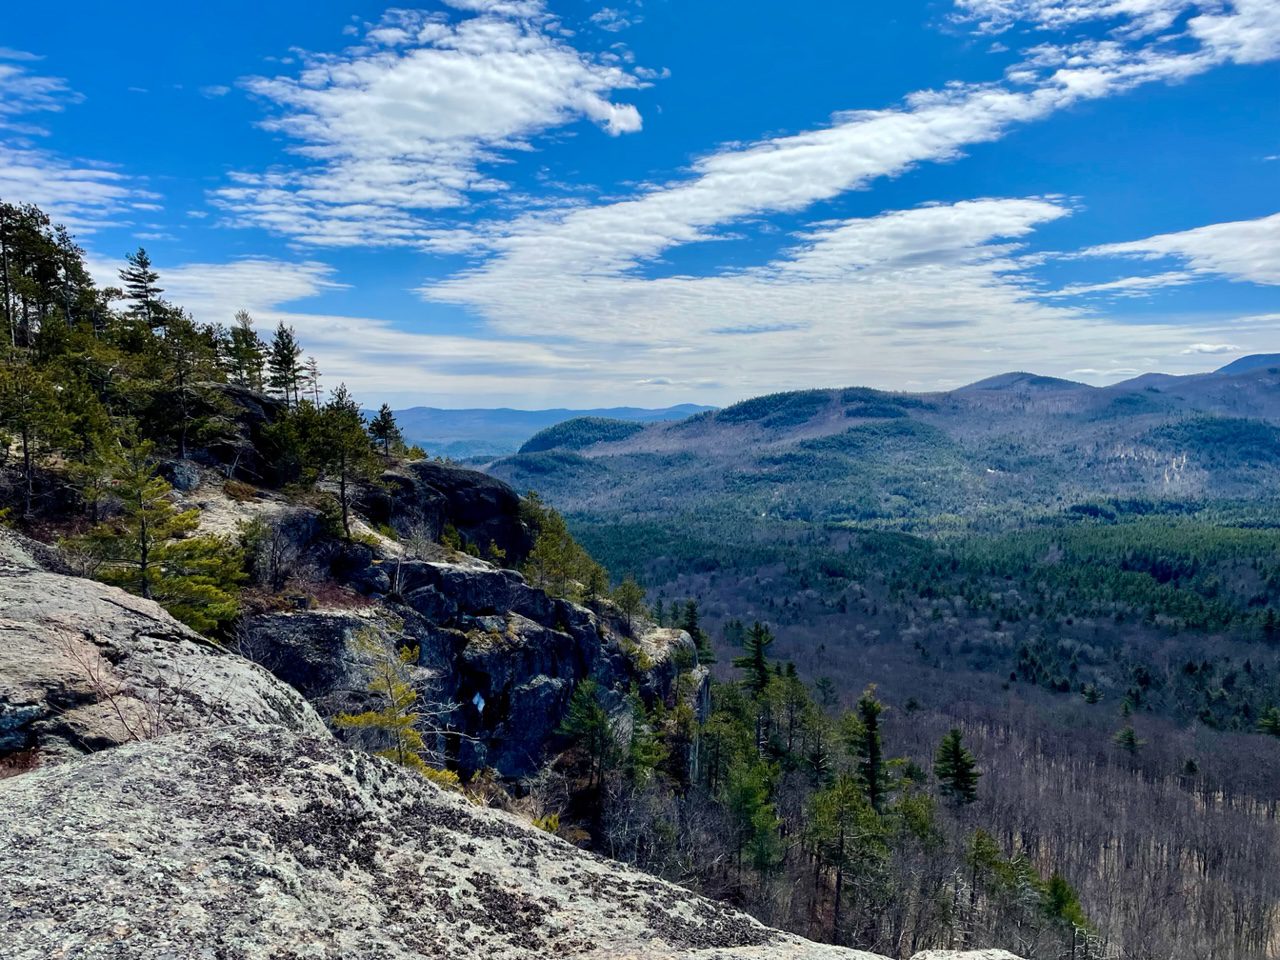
[257, 843]
[84, 666]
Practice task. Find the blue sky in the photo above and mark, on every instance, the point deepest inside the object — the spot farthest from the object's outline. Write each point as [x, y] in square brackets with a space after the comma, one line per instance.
[528, 203]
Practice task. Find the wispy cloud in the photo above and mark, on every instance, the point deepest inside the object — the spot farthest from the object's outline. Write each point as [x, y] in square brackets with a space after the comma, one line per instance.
[82, 194]
[1127, 286]
[1241, 250]
[408, 122]
[1212, 349]
[611, 19]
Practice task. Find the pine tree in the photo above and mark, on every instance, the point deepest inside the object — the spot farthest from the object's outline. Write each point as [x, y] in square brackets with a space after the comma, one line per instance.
[397, 719]
[748, 801]
[845, 834]
[140, 287]
[825, 690]
[755, 660]
[1127, 739]
[344, 451]
[248, 354]
[284, 370]
[190, 358]
[152, 548]
[869, 749]
[384, 430]
[691, 625]
[586, 723]
[629, 596]
[1269, 721]
[956, 769]
[30, 411]
[311, 379]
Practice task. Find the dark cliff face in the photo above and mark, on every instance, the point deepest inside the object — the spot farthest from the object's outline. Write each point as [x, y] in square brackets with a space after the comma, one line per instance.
[505, 655]
[484, 510]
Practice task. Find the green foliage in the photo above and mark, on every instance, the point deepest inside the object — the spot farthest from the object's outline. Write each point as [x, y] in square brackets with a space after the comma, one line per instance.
[1127, 740]
[396, 721]
[557, 563]
[151, 548]
[588, 727]
[284, 364]
[581, 432]
[956, 769]
[629, 596]
[754, 661]
[1217, 441]
[868, 748]
[777, 409]
[385, 432]
[30, 412]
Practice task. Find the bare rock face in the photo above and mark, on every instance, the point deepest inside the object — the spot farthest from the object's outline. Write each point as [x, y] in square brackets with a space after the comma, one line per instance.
[84, 666]
[504, 654]
[259, 843]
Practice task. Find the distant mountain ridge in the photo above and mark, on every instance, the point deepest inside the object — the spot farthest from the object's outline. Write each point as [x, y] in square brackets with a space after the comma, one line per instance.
[1013, 441]
[479, 432]
[1256, 361]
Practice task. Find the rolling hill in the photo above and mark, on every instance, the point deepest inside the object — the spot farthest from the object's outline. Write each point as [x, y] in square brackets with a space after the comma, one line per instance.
[495, 432]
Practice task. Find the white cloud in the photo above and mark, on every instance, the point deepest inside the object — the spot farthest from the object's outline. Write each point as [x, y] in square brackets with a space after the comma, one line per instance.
[1210, 348]
[81, 194]
[611, 19]
[23, 92]
[215, 90]
[1128, 286]
[1240, 250]
[409, 121]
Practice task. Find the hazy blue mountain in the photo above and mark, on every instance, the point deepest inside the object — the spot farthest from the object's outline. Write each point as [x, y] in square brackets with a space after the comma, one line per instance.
[499, 431]
[1256, 361]
[1011, 445]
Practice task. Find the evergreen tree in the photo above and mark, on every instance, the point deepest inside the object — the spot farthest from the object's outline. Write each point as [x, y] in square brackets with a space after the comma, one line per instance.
[825, 690]
[956, 769]
[247, 353]
[755, 660]
[1127, 739]
[190, 359]
[397, 719]
[629, 596]
[1269, 721]
[31, 413]
[310, 380]
[747, 798]
[845, 835]
[152, 549]
[142, 290]
[586, 723]
[385, 431]
[344, 452]
[690, 624]
[557, 563]
[869, 749]
[283, 366]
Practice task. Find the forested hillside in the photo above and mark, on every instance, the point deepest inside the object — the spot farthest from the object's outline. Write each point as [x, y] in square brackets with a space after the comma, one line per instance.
[1083, 580]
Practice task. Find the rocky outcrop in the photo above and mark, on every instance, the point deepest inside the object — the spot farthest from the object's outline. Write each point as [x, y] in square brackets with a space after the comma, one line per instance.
[484, 510]
[504, 654]
[84, 666]
[263, 844]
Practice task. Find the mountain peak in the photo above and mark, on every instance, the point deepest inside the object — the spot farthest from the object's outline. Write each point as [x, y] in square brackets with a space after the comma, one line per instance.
[1255, 361]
